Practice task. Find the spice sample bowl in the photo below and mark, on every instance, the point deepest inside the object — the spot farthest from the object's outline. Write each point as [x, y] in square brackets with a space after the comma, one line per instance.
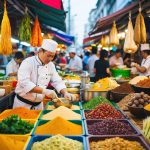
[38, 138]
[47, 111]
[135, 131]
[138, 89]
[139, 139]
[78, 122]
[137, 111]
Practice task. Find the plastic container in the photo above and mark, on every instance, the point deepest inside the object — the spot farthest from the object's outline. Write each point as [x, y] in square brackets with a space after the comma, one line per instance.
[139, 139]
[84, 117]
[90, 122]
[41, 138]
[47, 111]
[79, 122]
[121, 72]
[51, 104]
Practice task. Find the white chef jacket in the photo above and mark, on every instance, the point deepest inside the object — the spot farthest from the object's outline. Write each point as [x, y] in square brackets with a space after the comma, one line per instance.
[114, 61]
[75, 63]
[12, 67]
[33, 73]
[91, 62]
[146, 63]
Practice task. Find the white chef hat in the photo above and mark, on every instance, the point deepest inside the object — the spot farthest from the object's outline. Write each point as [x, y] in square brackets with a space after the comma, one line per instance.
[49, 45]
[72, 50]
[145, 47]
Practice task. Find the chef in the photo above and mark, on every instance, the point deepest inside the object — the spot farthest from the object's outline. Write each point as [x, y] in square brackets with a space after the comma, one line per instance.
[34, 75]
[13, 66]
[144, 69]
[75, 63]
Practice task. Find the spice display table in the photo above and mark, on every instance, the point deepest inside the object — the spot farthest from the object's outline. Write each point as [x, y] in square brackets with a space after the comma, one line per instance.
[6, 102]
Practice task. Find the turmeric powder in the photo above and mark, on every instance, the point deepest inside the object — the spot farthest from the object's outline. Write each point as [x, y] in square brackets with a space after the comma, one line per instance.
[22, 112]
[59, 126]
[11, 142]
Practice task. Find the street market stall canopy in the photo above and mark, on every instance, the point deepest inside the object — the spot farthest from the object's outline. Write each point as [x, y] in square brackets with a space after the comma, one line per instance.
[103, 25]
[48, 16]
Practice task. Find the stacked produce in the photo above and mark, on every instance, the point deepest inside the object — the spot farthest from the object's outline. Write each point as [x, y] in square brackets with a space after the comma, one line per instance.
[110, 127]
[144, 83]
[59, 126]
[124, 102]
[14, 125]
[71, 77]
[36, 38]
[140, 100]
[63, 112]
[22, 112]
[129, 44]
[136, 79]
[124, 88]
[95, 102]
[58, 142]
[10, 142]
[24, 33]
[146, 128]
[104, 84]
[140, 29]
[104, 111]
[116, 143]
[114, 40]
[5, 40]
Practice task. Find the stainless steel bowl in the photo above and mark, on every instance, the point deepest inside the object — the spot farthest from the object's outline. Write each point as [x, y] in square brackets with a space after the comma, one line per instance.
[88, 95]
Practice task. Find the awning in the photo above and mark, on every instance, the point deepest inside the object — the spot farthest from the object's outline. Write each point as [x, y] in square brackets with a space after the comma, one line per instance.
[48, 16]
[121, 17]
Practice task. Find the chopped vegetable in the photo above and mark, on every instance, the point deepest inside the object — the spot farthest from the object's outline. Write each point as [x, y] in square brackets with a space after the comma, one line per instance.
[14, 125]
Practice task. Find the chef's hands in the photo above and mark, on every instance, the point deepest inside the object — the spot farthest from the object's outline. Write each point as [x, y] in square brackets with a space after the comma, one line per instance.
[49, 93]
[69, 96]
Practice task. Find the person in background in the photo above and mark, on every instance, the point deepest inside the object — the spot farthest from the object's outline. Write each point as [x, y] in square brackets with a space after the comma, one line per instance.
[62, 58]
[24, 51]
[127, 60]
[91, 62]
[30, 54]
[13, 66]
[117, 59]
[144, 69]
[101, 66]
[85, 60]
[34, 75]
[75, 63]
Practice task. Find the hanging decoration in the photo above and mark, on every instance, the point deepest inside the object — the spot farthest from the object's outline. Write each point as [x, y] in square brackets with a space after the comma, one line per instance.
[105, 41]
[36, 38]
[5, 41]
[129, 44]
[140, 29]
[24, 33]
[114, 40]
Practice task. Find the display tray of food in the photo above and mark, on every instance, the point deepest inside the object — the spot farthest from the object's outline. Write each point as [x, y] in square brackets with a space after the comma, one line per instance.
[9, 142]
[94, 102]
[137, 103]
[73, 90]
[75, 106]
[104, 111]
[14, 125]
[117, 142]
[22, 112]
[59, 126]
[63, 112]
[110, 127]
[57, 142]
